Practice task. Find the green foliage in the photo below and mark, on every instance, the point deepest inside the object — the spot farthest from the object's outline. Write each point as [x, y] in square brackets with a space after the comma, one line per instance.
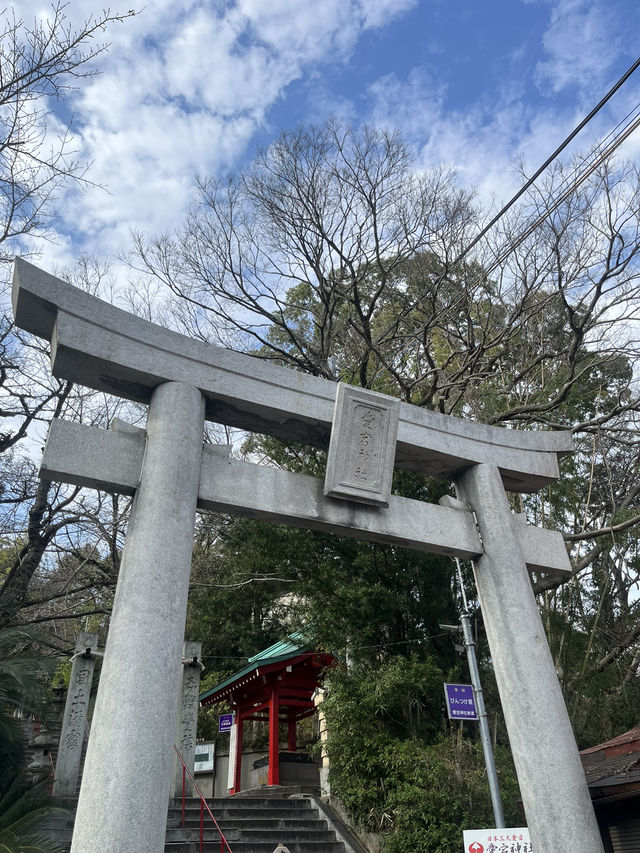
[23, 679]
[24, 806]
[24, 675]
[239, 573]
[395, 767]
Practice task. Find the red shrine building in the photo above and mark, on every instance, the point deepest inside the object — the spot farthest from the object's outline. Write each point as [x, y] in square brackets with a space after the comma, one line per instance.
[278, 686]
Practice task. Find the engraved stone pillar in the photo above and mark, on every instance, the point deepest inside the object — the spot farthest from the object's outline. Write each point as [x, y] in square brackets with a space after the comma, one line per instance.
[125, 787]
[186, 730]
[552, 783]
[75, 717]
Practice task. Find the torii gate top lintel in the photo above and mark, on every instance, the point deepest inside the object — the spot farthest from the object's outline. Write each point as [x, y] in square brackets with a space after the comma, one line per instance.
[103, 347]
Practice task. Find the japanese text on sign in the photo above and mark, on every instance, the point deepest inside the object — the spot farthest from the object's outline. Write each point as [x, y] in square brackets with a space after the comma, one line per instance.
[225, 721]
[514, 840]
[461, 704]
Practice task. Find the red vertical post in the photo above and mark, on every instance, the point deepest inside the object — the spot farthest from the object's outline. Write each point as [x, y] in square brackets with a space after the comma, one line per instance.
[237, 770]
[201, 825]
[274, 746]
[292, 744]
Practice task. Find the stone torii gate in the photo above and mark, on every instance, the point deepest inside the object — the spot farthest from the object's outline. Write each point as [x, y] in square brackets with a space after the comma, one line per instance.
[123, 799]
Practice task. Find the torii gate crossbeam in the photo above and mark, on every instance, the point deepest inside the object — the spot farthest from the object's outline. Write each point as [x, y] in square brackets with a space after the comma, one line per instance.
[184, 381]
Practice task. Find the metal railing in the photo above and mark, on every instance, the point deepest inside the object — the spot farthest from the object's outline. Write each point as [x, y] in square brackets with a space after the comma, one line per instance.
[224, 844]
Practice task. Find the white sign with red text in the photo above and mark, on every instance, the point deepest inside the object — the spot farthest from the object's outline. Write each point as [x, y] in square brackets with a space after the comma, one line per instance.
[513, 840]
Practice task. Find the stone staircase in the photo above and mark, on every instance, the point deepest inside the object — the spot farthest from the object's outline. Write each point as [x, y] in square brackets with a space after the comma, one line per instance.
[251, 824]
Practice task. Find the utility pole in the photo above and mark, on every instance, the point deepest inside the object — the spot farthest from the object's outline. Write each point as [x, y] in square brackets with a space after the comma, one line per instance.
[485, 736]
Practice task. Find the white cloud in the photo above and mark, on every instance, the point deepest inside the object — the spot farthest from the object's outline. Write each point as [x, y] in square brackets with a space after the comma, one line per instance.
[581, 43]
[477, 142]
[187, 84]
[378, 13]
[415, 104]
[486, 141]
[182, 90]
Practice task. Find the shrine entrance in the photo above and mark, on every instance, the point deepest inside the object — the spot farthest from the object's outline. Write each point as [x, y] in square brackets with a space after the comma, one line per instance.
[165, 465]
[277, 687]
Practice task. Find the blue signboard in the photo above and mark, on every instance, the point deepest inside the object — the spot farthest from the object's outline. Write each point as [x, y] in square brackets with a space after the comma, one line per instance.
[225, 721]
[461, 703]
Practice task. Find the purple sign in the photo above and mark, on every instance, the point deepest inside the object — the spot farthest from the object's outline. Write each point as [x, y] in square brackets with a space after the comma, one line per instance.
[225, 721]
[461, 703]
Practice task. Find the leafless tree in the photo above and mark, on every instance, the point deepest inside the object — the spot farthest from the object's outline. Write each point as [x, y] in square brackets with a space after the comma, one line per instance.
[297, 255]
[40, 61]
[332, 254]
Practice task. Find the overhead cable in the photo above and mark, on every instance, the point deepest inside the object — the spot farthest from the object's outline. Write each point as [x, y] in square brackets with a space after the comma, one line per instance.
[550, 159]
[539, 171]
[581, 173]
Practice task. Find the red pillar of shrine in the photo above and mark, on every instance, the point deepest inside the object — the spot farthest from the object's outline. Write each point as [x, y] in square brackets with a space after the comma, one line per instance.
[274, 745]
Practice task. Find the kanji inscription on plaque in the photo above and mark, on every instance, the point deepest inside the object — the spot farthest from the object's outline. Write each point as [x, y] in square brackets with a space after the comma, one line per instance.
[363, 445]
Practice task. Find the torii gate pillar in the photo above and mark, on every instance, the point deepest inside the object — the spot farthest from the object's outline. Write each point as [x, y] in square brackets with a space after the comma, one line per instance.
[548, 766]
[119, 809]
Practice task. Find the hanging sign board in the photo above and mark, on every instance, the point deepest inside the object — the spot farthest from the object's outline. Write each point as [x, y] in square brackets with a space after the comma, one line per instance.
[225, 721]
[515, 840]
[461, 703]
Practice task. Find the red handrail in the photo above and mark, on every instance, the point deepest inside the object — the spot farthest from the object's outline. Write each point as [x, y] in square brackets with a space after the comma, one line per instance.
[203, 805]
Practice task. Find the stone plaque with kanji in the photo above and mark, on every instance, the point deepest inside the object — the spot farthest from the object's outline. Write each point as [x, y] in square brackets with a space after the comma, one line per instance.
[362, 447]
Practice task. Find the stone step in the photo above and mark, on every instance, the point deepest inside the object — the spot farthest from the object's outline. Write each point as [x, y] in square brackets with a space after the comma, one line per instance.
[59, 830]
[272, 836]
[192, 845]
[250, 825]
[275, 791]
[245, 803]
[239, 840]
[288, 823]
[231, 815]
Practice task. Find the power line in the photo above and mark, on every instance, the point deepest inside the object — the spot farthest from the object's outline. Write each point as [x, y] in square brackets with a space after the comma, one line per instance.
[351, 648]
[582, 176]
[579, 175]
[551, 158]
[531, 181]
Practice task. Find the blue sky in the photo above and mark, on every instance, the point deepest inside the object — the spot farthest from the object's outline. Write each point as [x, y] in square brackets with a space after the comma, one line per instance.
[195, 87]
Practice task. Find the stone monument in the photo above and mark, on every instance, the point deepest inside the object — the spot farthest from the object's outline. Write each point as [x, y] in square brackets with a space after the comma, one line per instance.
[187, 722]
[74, 721]
[184, 381]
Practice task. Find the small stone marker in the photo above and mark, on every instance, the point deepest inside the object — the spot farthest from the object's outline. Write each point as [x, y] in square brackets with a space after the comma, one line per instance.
[362, 447]
[187, 721]
[75, 716]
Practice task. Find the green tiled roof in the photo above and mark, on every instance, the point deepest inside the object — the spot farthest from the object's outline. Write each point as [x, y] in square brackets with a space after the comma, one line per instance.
[293, 646]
